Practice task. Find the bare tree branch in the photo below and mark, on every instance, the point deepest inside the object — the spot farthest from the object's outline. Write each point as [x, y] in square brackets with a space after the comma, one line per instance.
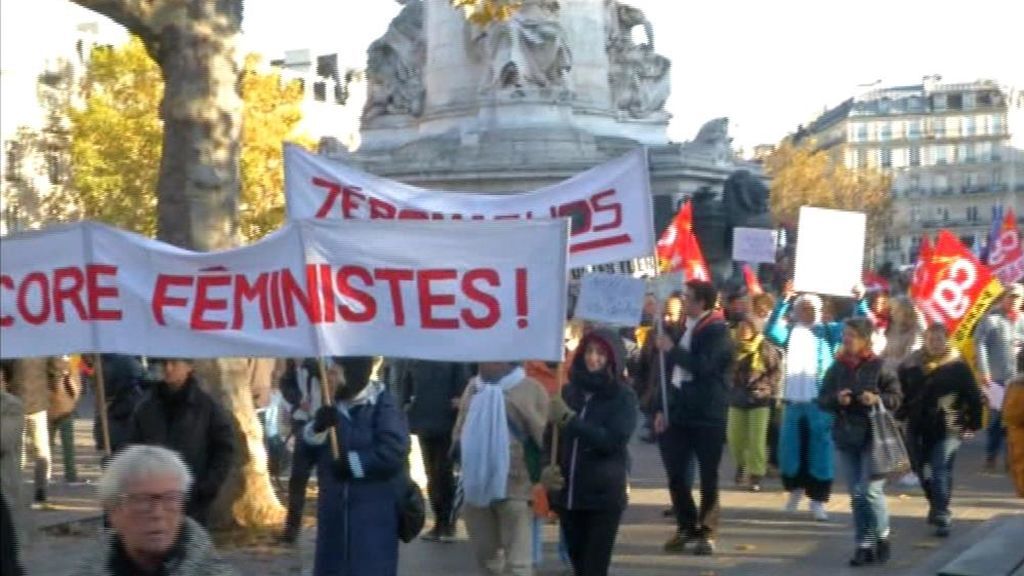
[132, 14]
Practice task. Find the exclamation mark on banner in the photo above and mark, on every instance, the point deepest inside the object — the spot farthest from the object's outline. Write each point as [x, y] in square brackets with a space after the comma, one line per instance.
[522, 304]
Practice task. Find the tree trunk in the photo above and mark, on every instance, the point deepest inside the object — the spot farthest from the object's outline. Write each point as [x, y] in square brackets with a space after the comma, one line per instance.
[197, 207]
[193, 41]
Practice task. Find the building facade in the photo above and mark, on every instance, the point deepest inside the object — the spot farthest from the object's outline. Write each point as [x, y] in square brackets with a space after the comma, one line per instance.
[948, 147]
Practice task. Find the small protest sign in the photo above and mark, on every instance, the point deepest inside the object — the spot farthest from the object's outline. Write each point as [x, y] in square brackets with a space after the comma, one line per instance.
[611, 299]
[829, 251]
[753, 245]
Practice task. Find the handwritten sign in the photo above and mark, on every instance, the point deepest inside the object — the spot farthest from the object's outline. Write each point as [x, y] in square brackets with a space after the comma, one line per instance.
[753, 245]
[611, 299]
[664, 285]
[829, 251]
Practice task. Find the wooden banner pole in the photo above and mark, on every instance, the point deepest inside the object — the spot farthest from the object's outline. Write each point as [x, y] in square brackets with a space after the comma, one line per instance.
[327, 399]
[101, 402]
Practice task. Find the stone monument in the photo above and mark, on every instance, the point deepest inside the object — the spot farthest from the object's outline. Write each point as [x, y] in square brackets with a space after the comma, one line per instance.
[513, 105]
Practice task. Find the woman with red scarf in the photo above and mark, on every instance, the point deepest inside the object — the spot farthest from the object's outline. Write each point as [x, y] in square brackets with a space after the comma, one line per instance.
[857, 383]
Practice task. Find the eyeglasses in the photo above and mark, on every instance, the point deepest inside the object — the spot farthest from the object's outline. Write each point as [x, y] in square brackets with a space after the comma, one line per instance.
[142, 503]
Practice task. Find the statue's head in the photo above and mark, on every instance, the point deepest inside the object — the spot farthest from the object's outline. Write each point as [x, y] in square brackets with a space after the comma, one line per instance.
[712, 131]
[744, 191]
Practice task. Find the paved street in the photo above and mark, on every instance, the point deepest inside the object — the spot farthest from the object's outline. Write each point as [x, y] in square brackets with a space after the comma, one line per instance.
[757, 537]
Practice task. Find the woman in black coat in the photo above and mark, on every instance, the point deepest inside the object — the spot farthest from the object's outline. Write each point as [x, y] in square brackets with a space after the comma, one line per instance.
[597, 413]
[855, 385]
[941, 405]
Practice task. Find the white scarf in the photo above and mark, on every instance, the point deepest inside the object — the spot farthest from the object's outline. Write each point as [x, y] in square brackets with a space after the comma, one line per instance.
[485, 441]
[801, 365]
[680, 375]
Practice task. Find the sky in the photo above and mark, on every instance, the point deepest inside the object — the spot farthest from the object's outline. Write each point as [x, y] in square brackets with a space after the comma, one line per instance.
[767, 65]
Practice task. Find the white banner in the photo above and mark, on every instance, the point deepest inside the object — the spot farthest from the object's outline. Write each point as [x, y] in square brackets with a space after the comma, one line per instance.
[753, 245]
[829, 251]
[611, 299]
[609, 205]
[438, 291]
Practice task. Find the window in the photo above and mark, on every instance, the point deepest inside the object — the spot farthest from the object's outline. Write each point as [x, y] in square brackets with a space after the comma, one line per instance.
[995, 125]
[970, 101]
[939, 102]
[939, 127]
[953, 126]
[885, 157]
[941, 154]
[983, 150]
[915, 214]
[968, 126]
[972, 213]
[884, 105]
[915, 156]
[861, 158]
[885, 131]
[914, 129]
[320, 91]
[914, 104]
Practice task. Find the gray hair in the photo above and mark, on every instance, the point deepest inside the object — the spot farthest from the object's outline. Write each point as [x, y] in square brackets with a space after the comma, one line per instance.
[139, 461]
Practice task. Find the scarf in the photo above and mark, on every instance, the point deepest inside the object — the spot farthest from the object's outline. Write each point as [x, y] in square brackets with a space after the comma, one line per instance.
[751, 349]
[802, 364]
[854, 361]
[485, 441]
[693, 325]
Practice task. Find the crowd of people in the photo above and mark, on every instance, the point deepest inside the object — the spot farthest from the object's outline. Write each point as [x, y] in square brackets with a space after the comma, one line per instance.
[792, 388]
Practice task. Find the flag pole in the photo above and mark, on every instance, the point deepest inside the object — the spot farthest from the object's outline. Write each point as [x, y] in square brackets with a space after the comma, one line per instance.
[327, 399]
[560, 380]
[101, 403]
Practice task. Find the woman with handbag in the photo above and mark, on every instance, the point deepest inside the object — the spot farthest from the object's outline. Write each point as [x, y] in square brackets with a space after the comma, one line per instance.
[855, 386]
[364, 492]
[941, 405]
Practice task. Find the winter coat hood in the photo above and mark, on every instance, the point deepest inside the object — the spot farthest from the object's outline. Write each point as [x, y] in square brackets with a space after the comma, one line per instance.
[612, 344]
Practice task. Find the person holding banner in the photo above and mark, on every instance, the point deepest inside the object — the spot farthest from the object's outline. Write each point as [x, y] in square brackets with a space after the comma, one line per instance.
[699, 367]
[806, 460]
[998, 340]
[180, 415]
[500, 432]
[941, 405]
[597, 413]
[856, 384]
[357, 519]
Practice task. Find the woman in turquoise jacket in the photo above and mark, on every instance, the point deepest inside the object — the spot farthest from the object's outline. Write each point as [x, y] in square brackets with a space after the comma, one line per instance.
[805, 439]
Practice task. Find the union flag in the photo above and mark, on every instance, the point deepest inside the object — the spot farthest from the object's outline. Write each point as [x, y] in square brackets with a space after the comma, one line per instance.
[678, 249]
[1005, 253]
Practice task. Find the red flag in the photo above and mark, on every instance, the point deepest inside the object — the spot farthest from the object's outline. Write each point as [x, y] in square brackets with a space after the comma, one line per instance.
[1006, 255]
[668, 246]
[951, 286]
[920, 279]
[753, 284]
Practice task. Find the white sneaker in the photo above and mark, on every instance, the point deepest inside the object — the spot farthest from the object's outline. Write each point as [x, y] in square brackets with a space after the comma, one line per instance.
[818, 510]
[793, 504]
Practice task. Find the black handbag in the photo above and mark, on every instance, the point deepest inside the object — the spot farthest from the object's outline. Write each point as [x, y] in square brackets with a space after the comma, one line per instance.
[889, 456]
[412, 512]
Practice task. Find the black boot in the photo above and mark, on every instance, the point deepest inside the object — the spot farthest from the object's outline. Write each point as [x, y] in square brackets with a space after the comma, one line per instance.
[862, 556]
[883, 550]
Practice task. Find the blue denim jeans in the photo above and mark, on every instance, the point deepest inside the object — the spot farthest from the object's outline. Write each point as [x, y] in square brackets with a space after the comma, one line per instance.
[867, 498]
[996, 434]
[936, 476]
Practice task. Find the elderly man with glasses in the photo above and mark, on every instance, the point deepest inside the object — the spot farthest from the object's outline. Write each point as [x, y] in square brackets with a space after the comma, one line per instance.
[143, 492]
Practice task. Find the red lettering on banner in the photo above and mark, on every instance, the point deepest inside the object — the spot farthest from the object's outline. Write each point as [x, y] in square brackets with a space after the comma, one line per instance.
[44, 297]
[394, 277]
[6, 282]
[72, 293]
[244, 290]
[292, 293]
[93, 272]
[333, 192]
[380, 209]
[205, 303]
[349, 194]
[161, 298]
[614, 207]
[327, 293]
[410, 214]
[578, 213]
[275, 299]
[429, 299]
[489, 302]
[365, 300]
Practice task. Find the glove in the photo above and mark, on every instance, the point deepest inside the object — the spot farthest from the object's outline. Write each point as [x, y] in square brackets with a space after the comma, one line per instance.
[560, 413]
[325, 417]
[341, 470]
[551, 479]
